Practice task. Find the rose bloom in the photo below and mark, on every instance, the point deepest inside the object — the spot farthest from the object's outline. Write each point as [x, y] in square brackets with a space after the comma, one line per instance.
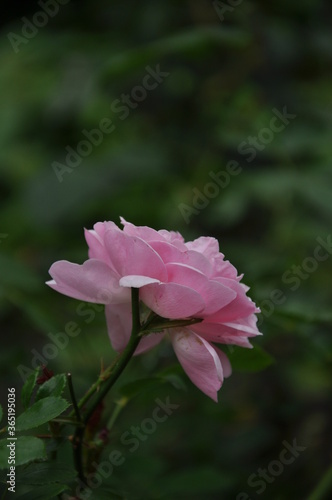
[177, 280]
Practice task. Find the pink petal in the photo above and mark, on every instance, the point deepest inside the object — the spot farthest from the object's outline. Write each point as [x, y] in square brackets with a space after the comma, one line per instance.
[205, 245]
[240, 341]
[216, 297]
[246, 325]
[92, 281]
[173, 237]
[132, 256]
[214, 294]
[149, 342]
[222, 334]
[199, 360]
[223, 268]
[95, 240]
[167, 251]
[215, 331]
[119, 319]
[96, 246]
[136, 281]
[171, 300]
[144, 232]
[171, 254]
[225, 363]
[198, 261]
[119, 324]
[241, 307]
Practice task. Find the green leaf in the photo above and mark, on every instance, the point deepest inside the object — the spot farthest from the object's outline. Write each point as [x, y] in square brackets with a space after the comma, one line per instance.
[41, 412]
[46, 473]
[249, 360]
[48, 492]
[27, 449]
[52, 387]
[28, 388]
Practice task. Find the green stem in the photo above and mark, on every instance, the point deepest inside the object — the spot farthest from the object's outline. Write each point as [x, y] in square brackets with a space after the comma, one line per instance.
[159, 324]
[94, 388]
[69, 421]
[119, 406]
[73, 398]
[323, 488]
[105, 385]
[118, 368]
[143, 329]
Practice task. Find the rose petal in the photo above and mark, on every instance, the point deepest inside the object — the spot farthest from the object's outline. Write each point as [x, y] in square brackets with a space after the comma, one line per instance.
[170, 253]
[225, 363]
[223, 268]
[144, 232]
[198, 261]
[149, 342]
[95, 240]
[241, 307]
[96, 246]
[173, 237]
[119, 324]
[214, 294]
[92, 281]
[246, 325]
[167, 251]
[213, 332]
[171, 300]
[136, 281]
[132, 256]
[199, 360]
[205, 245]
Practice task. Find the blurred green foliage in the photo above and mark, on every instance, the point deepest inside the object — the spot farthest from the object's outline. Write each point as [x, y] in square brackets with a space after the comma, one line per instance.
[225, 79]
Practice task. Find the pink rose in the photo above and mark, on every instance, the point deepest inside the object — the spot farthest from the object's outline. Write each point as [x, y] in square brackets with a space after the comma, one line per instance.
[177, 281]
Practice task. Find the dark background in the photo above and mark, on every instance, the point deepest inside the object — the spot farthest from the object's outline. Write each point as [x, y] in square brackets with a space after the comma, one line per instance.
[225, 78]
